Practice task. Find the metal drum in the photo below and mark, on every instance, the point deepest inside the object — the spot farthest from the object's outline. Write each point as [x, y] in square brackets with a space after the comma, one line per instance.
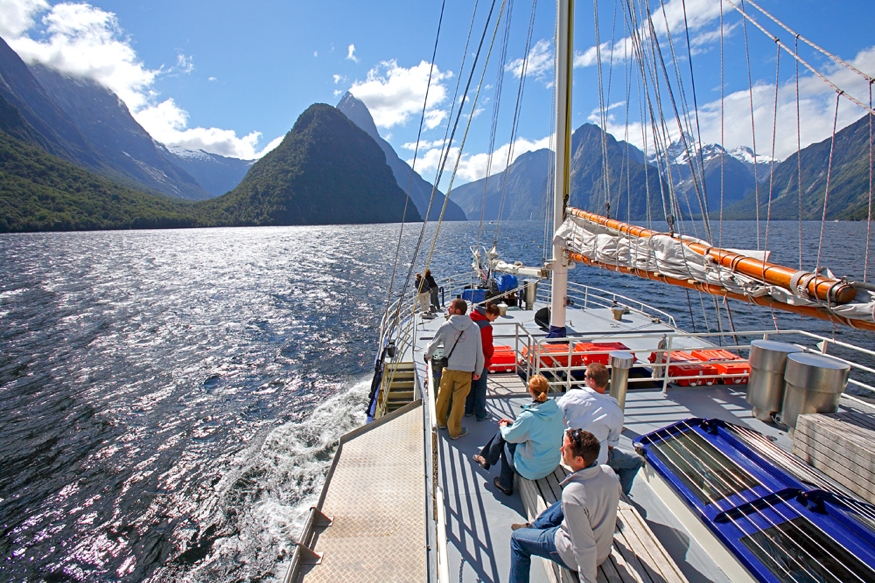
[765, 389]
[621, 362]
[815, 384]
[530, 292]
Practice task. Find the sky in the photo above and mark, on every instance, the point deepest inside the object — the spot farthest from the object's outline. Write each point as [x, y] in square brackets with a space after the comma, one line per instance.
[232, 77]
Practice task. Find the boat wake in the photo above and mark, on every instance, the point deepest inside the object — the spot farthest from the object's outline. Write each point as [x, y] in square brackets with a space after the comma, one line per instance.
[248, 529]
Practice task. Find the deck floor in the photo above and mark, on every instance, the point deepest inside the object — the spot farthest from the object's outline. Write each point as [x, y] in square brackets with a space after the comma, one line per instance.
[479, 516]
[378, 534]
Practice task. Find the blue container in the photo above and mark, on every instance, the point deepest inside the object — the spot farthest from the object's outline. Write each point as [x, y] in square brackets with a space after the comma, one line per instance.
[505, 282]
[475, 296]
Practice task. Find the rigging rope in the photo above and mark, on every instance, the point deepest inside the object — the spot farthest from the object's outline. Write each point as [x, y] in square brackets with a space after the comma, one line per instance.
[774, 134]
[869, 216]
[822, 77]
[413, 166]
[470, 116]
[496, 106]
[812, 45]
[515, 125]
[799, 156]
[828, 180]
[752, 130]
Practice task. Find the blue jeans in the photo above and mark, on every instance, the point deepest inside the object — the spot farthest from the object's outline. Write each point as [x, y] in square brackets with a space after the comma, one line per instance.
[475, 404]
[625, 465]
[538, 541]
[498, 449]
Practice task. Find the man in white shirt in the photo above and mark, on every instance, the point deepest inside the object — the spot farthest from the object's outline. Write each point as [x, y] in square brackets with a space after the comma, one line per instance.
[592, 409]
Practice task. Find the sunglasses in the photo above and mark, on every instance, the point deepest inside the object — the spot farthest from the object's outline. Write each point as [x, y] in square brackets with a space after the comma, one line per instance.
[576, 435]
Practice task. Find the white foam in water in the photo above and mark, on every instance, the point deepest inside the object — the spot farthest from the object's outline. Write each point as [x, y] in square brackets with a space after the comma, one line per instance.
[278, 479]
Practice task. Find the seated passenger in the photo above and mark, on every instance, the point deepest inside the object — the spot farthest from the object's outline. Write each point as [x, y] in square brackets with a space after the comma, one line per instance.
[530, 445]
[592, 409]
[577, 531]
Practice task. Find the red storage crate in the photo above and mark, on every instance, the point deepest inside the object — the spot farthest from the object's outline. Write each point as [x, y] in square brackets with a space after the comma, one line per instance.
[682, 365]
[552, 355]
[587, 347]
[738, 366]
[503, 360]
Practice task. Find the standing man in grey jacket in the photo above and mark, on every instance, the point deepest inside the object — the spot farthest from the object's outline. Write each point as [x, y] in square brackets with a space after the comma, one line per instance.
[577, 531]
[460, 337]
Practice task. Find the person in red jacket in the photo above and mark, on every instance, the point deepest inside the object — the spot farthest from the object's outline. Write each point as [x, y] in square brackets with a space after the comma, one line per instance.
[475, 404]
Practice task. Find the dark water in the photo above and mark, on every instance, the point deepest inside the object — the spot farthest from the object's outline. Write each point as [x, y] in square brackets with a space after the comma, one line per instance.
[170, 400]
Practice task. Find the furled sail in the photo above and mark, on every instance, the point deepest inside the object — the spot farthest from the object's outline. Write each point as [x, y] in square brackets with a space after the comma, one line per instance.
[681, 260]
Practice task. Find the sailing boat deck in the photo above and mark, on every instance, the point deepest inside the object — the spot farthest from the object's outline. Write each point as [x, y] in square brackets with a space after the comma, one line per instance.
[479, 516]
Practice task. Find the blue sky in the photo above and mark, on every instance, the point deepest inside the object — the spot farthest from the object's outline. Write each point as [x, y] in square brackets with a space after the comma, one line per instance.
[232, 77]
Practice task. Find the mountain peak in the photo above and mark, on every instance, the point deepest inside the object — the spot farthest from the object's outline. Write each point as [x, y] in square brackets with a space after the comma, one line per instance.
[358, 113]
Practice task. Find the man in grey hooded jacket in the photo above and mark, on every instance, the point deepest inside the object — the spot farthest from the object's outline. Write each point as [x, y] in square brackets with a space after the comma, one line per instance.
[460, 337]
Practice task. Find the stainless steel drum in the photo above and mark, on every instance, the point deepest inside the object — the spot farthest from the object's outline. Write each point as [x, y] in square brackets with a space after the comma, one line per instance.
[815, 383]
[530, 292]
[621, 362]
[765, 389]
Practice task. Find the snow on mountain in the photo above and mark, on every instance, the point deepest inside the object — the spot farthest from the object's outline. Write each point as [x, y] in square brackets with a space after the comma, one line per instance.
[745, 154]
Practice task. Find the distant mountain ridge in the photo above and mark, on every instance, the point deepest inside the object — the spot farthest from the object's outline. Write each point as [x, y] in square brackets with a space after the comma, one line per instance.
[126, 148]
[216, 174]
[849, 181]
[405, 177]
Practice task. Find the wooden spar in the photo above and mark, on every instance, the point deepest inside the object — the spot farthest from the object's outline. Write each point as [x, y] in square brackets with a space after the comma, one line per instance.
[715, 290]
[825, 289]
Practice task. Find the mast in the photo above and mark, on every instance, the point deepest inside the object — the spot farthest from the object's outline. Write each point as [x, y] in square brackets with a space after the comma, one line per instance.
[562, 161]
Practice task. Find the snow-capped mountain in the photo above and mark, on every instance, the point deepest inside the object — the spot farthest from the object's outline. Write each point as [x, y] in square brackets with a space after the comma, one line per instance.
[216, 174]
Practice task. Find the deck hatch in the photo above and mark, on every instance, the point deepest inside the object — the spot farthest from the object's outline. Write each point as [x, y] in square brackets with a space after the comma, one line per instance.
[797, 551]
[708, 473]
[778, 524]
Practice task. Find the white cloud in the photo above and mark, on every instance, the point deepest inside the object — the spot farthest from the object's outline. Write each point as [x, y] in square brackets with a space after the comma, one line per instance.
[540, 61]
[424, 144]
[184, 64]
[473, 166]
[85, 41]
[350, 54]
[17, 16]
[338, 79]
[168, 123]
[816, 105]
[211, 78]
[315, 53]
[673, 16]
[394, 94]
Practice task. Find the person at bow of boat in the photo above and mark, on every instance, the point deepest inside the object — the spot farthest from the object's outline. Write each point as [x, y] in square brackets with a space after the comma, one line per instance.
[528, 445]
[592, 409]
[432, 291]
[576, 531]
[475, 404]
[460, 338]
[422, 291]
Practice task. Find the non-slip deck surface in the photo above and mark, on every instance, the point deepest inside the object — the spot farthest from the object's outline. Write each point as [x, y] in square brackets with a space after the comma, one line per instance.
[378, 533]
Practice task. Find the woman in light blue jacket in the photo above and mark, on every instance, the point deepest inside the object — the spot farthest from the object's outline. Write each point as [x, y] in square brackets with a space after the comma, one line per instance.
[530, 445]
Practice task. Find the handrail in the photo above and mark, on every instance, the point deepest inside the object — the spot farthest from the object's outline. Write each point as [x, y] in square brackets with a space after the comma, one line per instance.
[439, 510]
[539, 362]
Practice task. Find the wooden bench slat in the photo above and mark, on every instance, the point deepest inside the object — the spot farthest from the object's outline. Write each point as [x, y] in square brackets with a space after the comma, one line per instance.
[634, 527]
[616, 569]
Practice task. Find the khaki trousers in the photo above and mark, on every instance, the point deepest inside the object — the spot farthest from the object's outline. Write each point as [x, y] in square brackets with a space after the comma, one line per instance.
[455, 384]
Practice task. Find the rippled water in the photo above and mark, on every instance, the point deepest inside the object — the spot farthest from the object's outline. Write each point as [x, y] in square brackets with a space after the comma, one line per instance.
[170, 400]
